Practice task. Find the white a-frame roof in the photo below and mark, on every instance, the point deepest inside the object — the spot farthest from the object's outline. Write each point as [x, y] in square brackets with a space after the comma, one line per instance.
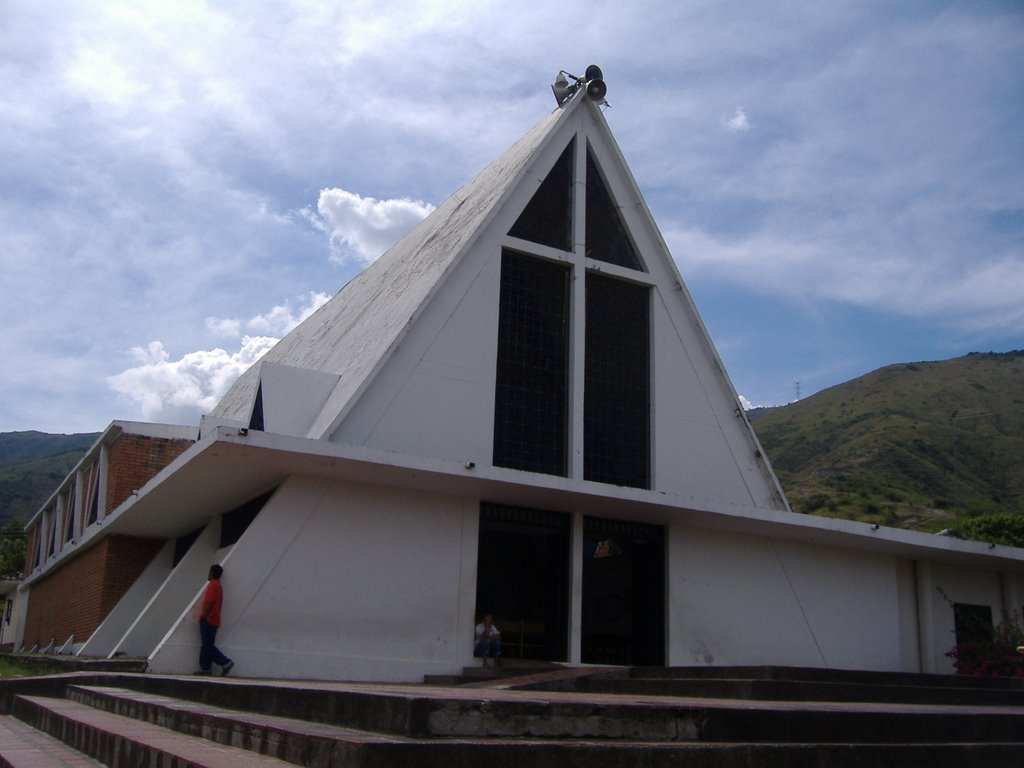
[405, 357]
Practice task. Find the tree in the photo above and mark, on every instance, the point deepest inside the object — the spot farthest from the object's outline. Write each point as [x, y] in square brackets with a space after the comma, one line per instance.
[12, 548]
[1003, 528]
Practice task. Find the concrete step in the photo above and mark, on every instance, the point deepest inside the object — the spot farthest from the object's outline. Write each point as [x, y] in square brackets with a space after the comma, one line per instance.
[507, 669]
[823, 675]
[786, 690]
[301, 742]
[130, 720]
[428, 713]
[150, 744]
[115, 741]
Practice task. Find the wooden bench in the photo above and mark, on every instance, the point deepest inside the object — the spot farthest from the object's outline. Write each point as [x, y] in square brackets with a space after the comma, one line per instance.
[521, 639]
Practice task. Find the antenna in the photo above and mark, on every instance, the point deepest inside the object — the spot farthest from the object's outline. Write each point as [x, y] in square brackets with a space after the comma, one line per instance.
[797, 388]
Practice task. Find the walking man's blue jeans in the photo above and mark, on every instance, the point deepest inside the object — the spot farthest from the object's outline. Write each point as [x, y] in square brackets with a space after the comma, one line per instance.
[208, 653]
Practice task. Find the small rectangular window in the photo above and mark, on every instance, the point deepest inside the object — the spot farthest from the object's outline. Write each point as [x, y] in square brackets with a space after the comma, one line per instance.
[973, 623]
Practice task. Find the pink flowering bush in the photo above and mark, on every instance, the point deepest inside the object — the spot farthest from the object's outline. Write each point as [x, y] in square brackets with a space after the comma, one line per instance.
[998, 657]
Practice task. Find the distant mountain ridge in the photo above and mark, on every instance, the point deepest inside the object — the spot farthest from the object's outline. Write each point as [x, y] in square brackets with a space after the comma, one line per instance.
[906, 445]
[21, 446]
[31, 466]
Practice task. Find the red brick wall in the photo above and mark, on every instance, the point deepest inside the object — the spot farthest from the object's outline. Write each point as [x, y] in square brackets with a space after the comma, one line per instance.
[135, 459]
[79, 594]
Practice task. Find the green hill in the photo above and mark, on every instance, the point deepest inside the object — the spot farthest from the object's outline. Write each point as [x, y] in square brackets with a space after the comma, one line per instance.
[31, 466]
[907, 445]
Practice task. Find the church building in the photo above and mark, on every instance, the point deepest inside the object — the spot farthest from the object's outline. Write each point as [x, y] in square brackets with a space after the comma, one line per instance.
[516, 408]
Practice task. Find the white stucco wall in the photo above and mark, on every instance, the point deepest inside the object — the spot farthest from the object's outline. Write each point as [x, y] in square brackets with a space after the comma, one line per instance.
[435, 395]
[341, 581]
[694, 451]
[736, 599]
[351, 581]
[957, 585]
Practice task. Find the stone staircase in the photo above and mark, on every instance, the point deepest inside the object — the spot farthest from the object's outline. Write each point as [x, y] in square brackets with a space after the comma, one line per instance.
[551, 716]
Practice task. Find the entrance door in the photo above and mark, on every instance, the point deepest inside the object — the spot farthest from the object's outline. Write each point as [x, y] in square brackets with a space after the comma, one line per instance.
[623, 593]
[523, 579]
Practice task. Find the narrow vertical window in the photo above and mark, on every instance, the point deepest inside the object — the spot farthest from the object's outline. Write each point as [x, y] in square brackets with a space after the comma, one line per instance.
[531, 391]
[69, 515]
[51, 548]
[94, 494]
[256, 419]
[616, 403]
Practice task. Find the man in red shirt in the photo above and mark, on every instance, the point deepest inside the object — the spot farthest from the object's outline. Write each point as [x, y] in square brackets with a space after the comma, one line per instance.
[209, 621]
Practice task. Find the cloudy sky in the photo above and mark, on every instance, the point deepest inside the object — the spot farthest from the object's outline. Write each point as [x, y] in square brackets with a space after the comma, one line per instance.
[840, 183]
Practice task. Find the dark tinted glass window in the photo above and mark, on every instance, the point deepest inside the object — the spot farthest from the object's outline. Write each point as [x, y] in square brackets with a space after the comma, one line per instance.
[616, 404]
[234, 523]
[69, 516]
[94, 494]
[547, 218]
[256, 420]
[607, 239]
[531, 396]
[183, 543]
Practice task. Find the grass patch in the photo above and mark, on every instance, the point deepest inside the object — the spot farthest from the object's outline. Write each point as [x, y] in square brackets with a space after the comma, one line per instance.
[9, 670]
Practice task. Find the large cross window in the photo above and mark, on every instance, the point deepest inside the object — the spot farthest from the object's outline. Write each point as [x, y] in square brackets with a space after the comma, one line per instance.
[572, 394]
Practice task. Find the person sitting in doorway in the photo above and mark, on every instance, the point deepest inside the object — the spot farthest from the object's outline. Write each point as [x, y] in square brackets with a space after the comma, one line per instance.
[487, 640]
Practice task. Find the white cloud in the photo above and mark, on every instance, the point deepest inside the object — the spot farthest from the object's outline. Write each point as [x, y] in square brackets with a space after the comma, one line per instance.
[281, 319]
[747, 405]
[363, 228]
[223, 327]
[155, 151]
[277, 322]
[738, 123]
[855, 261]
[180, 390]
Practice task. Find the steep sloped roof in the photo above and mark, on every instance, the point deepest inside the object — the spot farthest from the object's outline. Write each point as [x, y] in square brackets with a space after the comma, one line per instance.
[353, 333]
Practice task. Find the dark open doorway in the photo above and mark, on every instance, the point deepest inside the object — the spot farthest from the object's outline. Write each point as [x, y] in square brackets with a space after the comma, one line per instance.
[523, 579]
[623, 593]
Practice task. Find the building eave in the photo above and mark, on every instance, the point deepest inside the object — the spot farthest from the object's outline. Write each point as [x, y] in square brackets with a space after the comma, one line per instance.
[113, 431]
[192, 489]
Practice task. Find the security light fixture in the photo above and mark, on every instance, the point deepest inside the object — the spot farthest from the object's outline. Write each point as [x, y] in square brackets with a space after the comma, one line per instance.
[566, 84]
